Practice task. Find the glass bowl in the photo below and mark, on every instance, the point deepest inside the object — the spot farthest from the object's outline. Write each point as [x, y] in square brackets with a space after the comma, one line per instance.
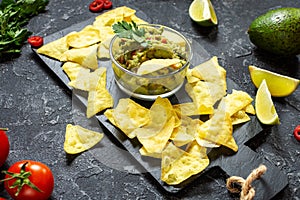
[162, 44]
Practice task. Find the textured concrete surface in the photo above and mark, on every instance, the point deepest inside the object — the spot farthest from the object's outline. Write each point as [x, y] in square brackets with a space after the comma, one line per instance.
[36, 106]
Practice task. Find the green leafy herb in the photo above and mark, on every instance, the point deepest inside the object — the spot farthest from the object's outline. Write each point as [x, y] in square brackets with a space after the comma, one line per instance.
[130, 31]
[14, 15]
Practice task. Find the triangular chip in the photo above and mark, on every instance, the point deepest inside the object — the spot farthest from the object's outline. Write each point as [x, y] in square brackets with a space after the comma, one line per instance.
[128, 116]
[218, 129]
[156, 143]
[178, 165]
[56, 48]
[86, 57]
[73, 69]
[99, 97]
[84, 38]
[235, 101]
[239, 117]
[79, 139]
[154, 65]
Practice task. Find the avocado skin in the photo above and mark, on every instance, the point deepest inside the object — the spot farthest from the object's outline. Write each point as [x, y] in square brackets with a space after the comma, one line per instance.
[277, 31]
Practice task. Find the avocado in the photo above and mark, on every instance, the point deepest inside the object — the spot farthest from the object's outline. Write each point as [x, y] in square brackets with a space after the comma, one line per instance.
[277, 31]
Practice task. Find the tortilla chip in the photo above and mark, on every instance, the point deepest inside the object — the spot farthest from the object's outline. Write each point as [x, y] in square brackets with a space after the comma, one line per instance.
[87, 56]
[218, 129]
[84, 38]
[82, 81]
[79, 139]
[128, 116]
[235, 101]
[156, 143]
[178, 165]
[72, 69]
[185, 133]
[154, 65]
[99, 97]
[239, 117]
[56, 48]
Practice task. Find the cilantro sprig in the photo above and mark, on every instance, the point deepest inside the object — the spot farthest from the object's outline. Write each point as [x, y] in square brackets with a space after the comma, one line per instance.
[127, 30]
[14, 15]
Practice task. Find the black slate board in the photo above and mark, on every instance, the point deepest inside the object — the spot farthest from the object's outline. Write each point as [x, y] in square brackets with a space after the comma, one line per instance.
[238, 164]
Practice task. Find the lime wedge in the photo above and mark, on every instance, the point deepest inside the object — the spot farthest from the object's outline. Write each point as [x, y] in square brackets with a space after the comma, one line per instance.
[202, 12]
[265, 109]
[279, 85]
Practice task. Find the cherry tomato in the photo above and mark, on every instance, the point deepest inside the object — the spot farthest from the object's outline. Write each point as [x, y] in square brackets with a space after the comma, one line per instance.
[107, 4]
[1, 198]
[4, 146]
[297, 133]
[96, 6]
[35, 41]
[32, 179]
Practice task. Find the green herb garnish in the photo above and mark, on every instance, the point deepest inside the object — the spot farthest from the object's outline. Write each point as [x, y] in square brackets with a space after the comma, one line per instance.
[130, 31]
[14, 15]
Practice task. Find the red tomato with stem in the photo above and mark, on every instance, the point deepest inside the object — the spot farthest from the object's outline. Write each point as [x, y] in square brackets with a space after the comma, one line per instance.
[4, 146]
[28, 180]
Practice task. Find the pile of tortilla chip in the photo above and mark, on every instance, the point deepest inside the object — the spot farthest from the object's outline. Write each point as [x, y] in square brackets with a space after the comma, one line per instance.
[80, 50]
[175, 134]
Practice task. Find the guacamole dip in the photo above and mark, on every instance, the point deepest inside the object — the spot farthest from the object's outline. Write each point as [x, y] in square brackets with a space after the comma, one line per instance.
[152, 69]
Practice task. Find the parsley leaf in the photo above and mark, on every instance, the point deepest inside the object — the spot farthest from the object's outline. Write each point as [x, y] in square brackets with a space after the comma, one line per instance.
[14, 15]
[130, 31]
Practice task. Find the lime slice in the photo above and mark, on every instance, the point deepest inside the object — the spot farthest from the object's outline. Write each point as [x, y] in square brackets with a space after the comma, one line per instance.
[265, 109]
[279, 85]
[202, 12]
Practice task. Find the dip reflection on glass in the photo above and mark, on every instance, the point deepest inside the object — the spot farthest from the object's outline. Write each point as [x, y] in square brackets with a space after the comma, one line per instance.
[151, 67]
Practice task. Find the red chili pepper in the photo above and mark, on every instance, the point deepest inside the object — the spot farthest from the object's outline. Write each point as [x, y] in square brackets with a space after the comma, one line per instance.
[96, 6]
[35, 41]
[107, 4]
[297, 133]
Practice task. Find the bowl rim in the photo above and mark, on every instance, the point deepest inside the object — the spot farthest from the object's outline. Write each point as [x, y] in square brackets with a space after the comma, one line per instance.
[149, 76]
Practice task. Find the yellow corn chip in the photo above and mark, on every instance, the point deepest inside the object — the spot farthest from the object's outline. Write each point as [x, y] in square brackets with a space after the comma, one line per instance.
[56, 48]
[239, 117]
[72, 69]
[235, 101]
[99, 97]
[84, 38]
[128, 116]
[156, 143]
[79, 139]
[178, 165]
[87, 56]
[81, 81]
[218, 129]
[185, 133]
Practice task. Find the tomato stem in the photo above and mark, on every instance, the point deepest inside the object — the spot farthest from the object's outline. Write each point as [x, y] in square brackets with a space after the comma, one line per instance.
[22, 179]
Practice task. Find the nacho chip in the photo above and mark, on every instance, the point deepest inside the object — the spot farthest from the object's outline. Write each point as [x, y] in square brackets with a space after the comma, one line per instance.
[239, 117]
[84, 38]
[87, 56]
[156, 143]
[185, 133]
[178, 165]
[72, 69]
[56, 48]
[79, 139]
[202, 97]
[144, 152]
[81, 81]
[99, 97]
[154, 65]
[218, 129]
[128, 116]
[235, 101]
[103, 52]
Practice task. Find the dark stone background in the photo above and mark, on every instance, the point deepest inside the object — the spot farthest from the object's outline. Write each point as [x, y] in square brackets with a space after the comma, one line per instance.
[36, 106]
